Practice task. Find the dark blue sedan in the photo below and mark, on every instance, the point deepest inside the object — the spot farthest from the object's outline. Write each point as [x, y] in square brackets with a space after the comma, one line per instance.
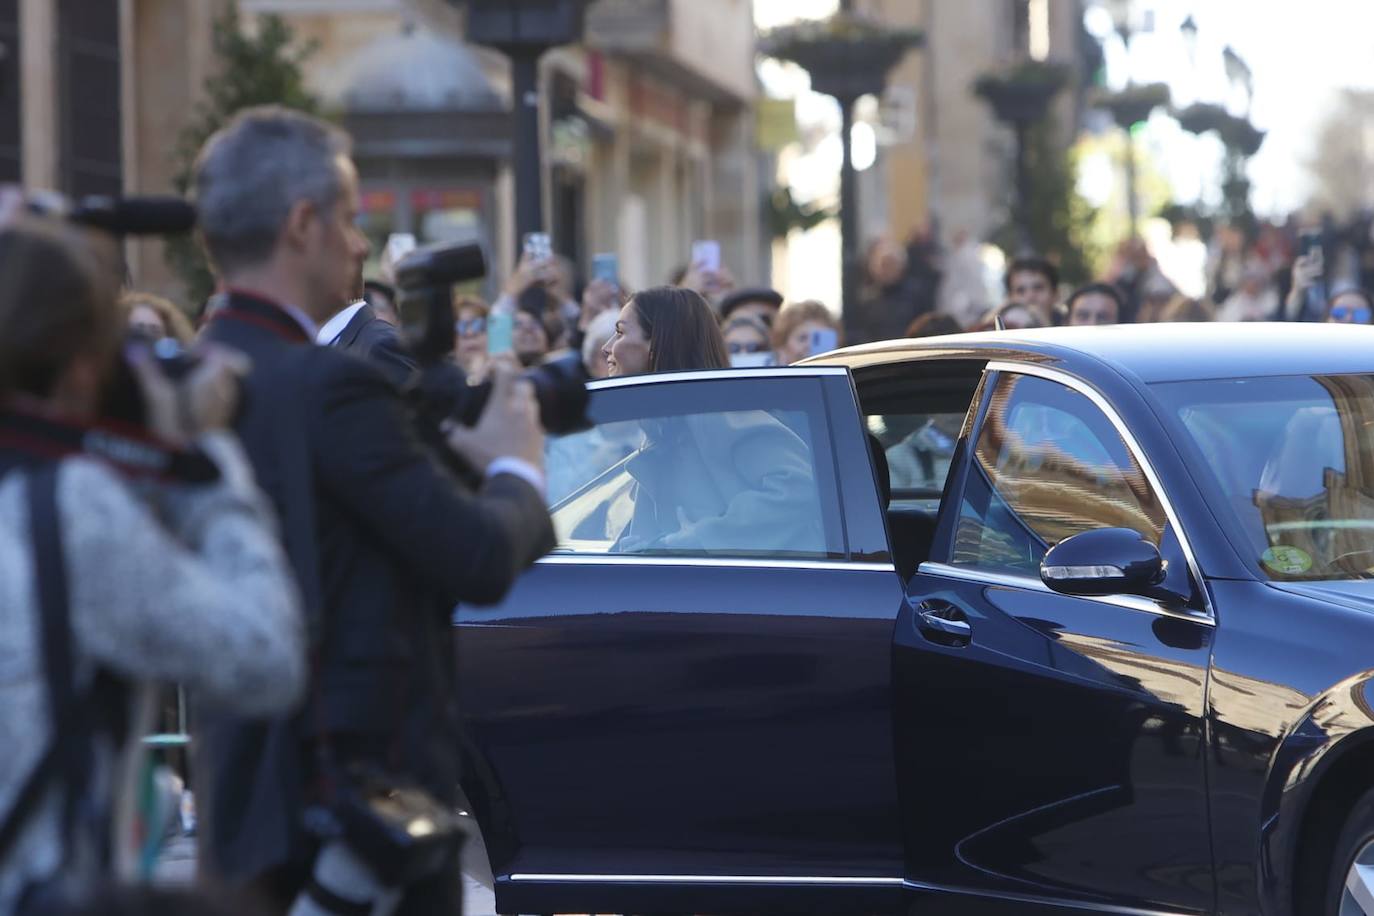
[1031, 622]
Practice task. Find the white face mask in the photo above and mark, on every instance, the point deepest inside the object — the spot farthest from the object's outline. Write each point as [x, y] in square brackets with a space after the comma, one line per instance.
[751, 360]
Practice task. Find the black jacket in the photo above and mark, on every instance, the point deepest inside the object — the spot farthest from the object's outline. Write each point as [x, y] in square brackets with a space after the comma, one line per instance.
[375, 340]
[384, 543]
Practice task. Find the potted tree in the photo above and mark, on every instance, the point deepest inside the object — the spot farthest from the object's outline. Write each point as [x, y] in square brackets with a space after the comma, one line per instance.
[848, 55]
[1021, 93]
[1132, 105]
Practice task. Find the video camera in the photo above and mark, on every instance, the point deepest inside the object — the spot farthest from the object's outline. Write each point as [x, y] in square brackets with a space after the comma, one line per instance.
[425, 280]
[121, 217]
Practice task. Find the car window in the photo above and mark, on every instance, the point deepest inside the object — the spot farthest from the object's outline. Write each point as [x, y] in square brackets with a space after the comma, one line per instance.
[699, 473]
[1047, 465]
[1288, 456]
[919, 449]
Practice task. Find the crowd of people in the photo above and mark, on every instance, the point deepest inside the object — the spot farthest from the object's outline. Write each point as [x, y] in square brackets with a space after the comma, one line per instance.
[909, 291]
[271, 533]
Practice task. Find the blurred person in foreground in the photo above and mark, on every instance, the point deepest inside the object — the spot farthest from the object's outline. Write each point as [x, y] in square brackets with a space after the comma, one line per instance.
[1034, 282]
[156, 318]
[146, 576]
[804, 329]
[384, 542]
[1095, 303]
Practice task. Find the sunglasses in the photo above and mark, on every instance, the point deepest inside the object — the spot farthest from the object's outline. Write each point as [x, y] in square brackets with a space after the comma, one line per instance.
[469, 327]
[737, 348]
[1344, 313]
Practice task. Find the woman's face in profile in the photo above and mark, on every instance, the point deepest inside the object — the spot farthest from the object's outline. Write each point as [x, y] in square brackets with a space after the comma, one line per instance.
[627, 352]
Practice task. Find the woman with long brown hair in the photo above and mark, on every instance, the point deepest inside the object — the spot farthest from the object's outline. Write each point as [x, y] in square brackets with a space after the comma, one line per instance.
[702, 479]
[666, 329]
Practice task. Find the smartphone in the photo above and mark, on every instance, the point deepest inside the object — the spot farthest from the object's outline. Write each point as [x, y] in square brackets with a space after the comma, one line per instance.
[1309, 240]
[706, 255]
[538, 245]
[606, 267]
[500, 331]
[823, 340]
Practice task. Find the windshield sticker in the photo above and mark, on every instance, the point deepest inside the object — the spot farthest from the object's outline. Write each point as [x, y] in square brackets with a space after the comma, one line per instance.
[1290, 561]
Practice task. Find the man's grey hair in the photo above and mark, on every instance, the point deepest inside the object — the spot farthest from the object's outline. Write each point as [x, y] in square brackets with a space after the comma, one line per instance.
[251, 173]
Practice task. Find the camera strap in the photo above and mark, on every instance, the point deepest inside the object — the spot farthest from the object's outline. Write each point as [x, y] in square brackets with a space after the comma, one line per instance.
[75, 715]
[247, 308]
[30, 436]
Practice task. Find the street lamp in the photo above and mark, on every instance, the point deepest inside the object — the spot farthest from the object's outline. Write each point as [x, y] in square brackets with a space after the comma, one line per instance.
[524, 30]
[848, 56]
[1121, 11]
[1189, 30]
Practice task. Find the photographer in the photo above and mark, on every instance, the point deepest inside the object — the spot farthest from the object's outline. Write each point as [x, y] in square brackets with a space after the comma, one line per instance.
[384, 542]
[113, 571]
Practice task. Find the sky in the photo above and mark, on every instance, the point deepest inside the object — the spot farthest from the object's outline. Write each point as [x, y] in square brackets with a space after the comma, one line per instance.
[1301, 54]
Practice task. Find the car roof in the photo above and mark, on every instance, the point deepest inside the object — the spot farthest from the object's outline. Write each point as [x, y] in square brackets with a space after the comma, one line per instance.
[1159, 352]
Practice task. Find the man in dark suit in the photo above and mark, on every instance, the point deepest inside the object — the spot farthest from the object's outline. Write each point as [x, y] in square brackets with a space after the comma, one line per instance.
[383, 541]
[361, 331]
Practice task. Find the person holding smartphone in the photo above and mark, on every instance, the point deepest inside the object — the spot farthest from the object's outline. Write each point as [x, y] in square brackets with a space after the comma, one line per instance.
[804, 329]
[1307, 293]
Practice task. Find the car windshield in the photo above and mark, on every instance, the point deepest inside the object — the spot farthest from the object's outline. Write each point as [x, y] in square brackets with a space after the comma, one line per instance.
[1293, 459]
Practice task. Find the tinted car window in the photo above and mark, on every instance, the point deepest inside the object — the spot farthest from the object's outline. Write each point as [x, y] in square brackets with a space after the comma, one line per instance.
[1293, 463]
[1048, 465]
[696, 469]
[919, 448]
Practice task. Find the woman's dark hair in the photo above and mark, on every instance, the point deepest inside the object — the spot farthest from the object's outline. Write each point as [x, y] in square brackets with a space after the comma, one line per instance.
[682, 330]
[1039, 266]
[58, 292]
[1109, 290]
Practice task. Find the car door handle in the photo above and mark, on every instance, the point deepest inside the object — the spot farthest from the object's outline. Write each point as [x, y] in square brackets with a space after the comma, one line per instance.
[943, 623]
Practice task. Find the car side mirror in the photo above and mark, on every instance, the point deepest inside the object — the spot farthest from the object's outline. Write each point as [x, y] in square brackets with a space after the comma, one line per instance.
[1107, 561]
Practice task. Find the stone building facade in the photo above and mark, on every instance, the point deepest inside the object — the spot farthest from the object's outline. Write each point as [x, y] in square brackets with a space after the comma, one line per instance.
[648, 125]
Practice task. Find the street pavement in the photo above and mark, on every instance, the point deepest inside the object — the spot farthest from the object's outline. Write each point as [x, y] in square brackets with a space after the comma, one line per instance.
[177, 866]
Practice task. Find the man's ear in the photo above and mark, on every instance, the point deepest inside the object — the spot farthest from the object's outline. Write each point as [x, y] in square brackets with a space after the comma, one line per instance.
[300, 224]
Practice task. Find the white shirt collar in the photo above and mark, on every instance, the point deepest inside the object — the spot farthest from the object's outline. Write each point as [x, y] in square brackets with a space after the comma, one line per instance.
[335, 326]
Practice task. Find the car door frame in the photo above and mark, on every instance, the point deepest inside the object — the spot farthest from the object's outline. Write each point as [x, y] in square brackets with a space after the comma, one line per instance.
[866, 555]
[946, 524]
[942, 547]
